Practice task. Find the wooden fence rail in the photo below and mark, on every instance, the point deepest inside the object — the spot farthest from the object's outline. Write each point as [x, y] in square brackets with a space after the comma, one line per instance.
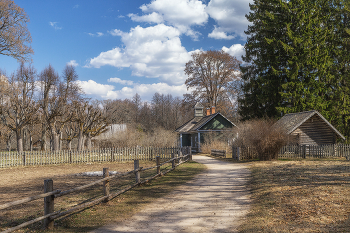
[27, 158]
[297, 151]
[49, 195]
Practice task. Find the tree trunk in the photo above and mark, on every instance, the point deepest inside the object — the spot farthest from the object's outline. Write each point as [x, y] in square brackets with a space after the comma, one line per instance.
[31, 143]
[19, 141]
[43, 137]
[80, 141]
[88, 141]
[69, 145]
[55, 140]
[8, 143]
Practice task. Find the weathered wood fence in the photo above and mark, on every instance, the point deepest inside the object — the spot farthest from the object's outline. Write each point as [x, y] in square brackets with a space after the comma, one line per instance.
[297, 151]
[27, 158]
[50, 195]
[218, 152]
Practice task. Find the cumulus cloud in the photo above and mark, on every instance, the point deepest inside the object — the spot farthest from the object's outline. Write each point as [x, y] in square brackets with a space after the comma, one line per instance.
[220, 34]
[150, 18]
[72, 63]
[236, 50]
[93, 88]
[146, 91]
[230, 16]
[120, 81]
[154, 52]
[55, 25]
[181, 14]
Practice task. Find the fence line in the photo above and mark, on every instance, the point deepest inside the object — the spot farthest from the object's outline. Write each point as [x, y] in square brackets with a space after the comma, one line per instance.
[183, 155]
[297, 151]
[26, 158]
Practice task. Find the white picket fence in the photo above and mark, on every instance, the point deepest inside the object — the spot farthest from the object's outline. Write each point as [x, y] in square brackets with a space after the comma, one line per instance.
[26, 158]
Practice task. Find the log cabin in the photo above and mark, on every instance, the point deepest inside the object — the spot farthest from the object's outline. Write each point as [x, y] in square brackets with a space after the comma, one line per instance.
[309, 128]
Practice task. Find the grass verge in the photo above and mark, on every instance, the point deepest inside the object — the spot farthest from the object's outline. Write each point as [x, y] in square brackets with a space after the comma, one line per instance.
[123, 206]
[299, 196]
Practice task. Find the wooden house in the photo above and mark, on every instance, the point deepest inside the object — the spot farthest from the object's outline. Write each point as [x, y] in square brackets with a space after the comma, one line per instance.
[192, 132]
[309, 128]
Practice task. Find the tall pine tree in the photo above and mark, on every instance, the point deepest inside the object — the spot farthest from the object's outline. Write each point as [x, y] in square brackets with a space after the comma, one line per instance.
[297, 60]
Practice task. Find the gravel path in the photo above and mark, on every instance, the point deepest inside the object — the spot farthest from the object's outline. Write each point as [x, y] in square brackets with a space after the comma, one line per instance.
[214, 201]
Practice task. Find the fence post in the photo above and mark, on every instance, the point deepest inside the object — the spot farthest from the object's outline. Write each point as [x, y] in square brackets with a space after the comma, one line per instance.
[179, 156]
[190, 151]
[137, 173]
[70, 156]
[173, 161]
[106, 184]
[48, 204]
[24, 158]
[158, 164]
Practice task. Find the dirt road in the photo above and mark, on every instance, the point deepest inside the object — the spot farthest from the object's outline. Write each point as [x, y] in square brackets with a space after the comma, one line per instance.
[215, 201]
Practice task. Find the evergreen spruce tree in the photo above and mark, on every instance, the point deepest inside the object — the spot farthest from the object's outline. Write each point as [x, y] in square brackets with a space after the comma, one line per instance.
[297, 57]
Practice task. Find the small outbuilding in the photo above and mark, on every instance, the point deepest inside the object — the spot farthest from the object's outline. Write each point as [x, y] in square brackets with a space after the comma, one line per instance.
[309, 128]
[192, 132]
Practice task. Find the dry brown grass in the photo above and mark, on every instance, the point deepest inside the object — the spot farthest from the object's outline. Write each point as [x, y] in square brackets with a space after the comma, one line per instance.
[300, 196]
[20, 182]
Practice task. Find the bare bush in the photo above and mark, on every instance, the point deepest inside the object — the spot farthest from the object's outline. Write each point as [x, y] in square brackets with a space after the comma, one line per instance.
[217, 141]
[136, 137]
[261, 136]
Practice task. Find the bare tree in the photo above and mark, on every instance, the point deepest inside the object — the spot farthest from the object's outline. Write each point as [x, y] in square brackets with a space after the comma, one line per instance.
[55, 97]
[90, 122]
[210, 73]
[19, 108]
[15, 38]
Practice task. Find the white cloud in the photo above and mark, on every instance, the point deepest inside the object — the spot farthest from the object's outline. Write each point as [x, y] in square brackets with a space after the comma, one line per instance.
[98, 34]
[93, 88]
[229, 15]
[181, 14]
[150, 18]
[154, 52]
[146, 91]
[120, 81]
[55, 25]
[219, 34]
[72, 63]
[236, 50]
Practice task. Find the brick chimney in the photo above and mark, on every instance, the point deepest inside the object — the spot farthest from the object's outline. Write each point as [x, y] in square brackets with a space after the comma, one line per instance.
[208, 111]
[212, 110]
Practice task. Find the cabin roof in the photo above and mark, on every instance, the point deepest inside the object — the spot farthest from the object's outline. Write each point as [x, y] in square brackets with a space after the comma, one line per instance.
[292, 121]
[196, 123]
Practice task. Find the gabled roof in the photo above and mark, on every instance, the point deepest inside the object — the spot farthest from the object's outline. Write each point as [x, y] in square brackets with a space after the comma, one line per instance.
[196, 123]
[292, 121]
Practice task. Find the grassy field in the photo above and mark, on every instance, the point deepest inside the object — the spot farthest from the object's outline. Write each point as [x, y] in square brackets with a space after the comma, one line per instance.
[29, 181]
[299, 196]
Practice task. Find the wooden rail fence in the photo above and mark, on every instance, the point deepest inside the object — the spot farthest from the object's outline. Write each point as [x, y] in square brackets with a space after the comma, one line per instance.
[27, 158]
[297, 151]
[218, 153]
[51, 195]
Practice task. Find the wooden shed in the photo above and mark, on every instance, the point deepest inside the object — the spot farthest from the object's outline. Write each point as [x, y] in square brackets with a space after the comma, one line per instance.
[192, 132]
[309, 128]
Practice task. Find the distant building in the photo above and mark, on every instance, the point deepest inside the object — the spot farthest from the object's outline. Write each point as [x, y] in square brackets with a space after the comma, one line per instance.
[309, 128]
[112, 130]
[192, 132]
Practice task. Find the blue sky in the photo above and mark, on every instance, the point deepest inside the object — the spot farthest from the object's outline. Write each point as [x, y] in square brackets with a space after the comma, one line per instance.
[123, 47]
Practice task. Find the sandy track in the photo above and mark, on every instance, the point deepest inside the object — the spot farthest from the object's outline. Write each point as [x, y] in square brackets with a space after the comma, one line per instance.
[215, 201]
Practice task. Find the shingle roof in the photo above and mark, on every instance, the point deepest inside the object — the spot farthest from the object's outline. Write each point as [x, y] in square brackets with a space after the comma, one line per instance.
[198, 122]
[292, 121]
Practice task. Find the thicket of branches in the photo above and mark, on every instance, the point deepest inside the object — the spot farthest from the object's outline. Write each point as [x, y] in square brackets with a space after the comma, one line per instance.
[48, 111]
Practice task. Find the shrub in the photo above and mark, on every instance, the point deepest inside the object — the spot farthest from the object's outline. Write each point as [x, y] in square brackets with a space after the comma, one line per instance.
[261, 136]
[217, 141]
